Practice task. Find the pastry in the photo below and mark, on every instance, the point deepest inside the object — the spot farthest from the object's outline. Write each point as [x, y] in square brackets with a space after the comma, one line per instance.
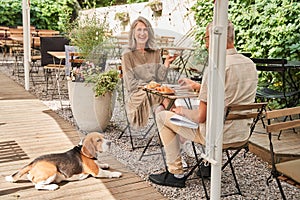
[152, 85]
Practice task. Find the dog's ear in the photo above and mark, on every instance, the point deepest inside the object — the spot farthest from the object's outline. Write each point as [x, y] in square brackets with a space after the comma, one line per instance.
[88, 148]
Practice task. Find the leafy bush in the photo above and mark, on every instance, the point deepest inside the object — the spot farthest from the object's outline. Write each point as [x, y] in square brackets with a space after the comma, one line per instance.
[87, 33]
[265, 28]
[44, 14]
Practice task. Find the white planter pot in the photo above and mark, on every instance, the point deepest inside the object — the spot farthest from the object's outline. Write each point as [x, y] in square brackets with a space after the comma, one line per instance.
[104, 107]
[82, 98]
[90, 113]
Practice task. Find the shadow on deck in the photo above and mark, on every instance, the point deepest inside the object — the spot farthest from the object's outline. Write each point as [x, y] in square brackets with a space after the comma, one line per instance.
[29, 129]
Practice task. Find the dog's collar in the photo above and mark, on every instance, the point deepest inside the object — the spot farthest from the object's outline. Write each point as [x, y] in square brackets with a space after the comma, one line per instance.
[78, 149]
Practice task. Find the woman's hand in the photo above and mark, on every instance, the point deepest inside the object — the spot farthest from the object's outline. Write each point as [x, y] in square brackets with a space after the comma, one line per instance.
[186, 83]
[169, 59]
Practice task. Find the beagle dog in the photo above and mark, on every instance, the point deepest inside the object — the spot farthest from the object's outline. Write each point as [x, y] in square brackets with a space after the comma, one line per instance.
[75, 164]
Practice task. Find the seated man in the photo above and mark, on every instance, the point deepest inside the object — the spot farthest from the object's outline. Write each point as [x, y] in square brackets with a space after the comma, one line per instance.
[240, 88]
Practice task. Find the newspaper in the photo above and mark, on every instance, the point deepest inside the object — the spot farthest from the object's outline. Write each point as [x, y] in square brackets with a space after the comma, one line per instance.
[183, 121]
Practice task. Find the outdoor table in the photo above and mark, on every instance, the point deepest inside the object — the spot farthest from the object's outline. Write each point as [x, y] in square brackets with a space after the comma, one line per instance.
[44, 32]
[180, 51]
[290, 65]
[61, 56]
[184, 94]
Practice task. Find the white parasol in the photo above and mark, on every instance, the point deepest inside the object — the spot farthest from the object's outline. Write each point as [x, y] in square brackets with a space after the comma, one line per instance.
[216, 89]
[26, 39]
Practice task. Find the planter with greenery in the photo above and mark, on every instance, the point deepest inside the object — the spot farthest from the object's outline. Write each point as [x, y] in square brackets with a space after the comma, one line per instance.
[88, 33]
[157, 7]
[123, 17]
[91, 87]
[92, 96]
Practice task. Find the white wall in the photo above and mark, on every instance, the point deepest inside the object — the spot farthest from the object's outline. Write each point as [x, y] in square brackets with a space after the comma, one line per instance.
[176, 20]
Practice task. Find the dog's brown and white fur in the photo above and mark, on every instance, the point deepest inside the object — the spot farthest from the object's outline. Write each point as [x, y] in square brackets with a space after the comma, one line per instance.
[75, 164]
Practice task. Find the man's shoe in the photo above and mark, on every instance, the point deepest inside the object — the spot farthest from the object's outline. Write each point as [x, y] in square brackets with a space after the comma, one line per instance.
[204, 171]
[167, 179]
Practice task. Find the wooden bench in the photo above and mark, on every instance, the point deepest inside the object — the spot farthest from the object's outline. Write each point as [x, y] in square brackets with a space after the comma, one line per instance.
[280, 120]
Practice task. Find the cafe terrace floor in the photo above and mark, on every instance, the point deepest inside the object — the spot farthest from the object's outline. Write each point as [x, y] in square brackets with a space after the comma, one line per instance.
[28, 129]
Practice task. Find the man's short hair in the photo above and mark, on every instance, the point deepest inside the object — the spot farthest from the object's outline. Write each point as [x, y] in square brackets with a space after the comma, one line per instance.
[230, 31]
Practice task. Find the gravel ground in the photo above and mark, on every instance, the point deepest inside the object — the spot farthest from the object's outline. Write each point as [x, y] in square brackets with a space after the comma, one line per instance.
[252, 172]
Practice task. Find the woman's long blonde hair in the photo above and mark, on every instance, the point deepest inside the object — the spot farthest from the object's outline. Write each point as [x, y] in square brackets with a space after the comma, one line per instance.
[150, 44]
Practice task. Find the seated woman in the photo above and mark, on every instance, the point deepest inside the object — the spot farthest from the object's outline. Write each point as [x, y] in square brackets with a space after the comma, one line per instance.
[142, 63]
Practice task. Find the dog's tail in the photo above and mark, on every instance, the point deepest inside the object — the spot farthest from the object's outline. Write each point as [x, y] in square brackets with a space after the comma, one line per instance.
[17, 175]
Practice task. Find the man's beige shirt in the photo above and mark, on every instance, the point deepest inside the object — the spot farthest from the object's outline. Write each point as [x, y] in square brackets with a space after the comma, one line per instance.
[240, 88]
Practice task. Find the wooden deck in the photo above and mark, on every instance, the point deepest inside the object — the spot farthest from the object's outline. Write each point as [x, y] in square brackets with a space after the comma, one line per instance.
[28, 129]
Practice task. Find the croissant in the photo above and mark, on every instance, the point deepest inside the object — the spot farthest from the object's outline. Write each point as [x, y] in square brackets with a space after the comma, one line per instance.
[152, 85]
[165, 89]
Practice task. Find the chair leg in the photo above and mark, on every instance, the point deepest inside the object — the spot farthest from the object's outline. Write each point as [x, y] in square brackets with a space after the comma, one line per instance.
[146, 147]
[233, 172]
[198, 164]
[280, 188]
[124, 130]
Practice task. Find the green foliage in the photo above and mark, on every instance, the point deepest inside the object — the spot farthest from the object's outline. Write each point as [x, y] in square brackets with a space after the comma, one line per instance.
[106, 82]
[265, 28]
[50, 14]
[87, 4]
[87, 33]
[44, 14]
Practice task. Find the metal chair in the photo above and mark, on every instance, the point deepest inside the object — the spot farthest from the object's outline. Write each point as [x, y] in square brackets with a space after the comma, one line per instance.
[127, 128]
[233, 112]
[287, 93]
[287, 171]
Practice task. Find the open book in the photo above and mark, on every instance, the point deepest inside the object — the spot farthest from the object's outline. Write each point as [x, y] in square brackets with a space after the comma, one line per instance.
[182, 121]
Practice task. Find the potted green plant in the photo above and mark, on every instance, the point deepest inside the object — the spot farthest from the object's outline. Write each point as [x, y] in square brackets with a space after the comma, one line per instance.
[91, 87]
[92, 96]
[87, 33]
[123, 17]
[156, 6]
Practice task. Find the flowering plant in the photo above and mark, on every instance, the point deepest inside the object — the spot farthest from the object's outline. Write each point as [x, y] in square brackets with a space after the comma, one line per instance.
[104, 81]
[87, 32]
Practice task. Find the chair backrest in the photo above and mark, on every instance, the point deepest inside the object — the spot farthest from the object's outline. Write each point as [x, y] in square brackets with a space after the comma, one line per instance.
[280, 120]
[282, 125]
[267, 64]
[51, 44]
[246, 111]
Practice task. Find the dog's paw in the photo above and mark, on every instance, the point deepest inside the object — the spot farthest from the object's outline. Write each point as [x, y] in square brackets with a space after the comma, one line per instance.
[50, 187]
[9, 179]
[115, 175]
[104, 166]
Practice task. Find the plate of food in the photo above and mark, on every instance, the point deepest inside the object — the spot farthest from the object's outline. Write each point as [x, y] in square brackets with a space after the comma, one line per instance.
[152, 85]
[165, 90]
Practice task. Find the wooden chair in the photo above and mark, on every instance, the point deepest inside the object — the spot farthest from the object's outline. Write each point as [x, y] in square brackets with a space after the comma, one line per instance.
[288, 95]
[234, 112]
[287, 171]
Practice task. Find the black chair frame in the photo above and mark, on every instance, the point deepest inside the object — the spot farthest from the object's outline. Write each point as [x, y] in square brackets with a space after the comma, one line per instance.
[290, 96]
[256, 115]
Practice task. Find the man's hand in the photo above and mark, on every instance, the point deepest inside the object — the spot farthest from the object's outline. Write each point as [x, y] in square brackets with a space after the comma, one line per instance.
[186, 83]
[178, 110]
